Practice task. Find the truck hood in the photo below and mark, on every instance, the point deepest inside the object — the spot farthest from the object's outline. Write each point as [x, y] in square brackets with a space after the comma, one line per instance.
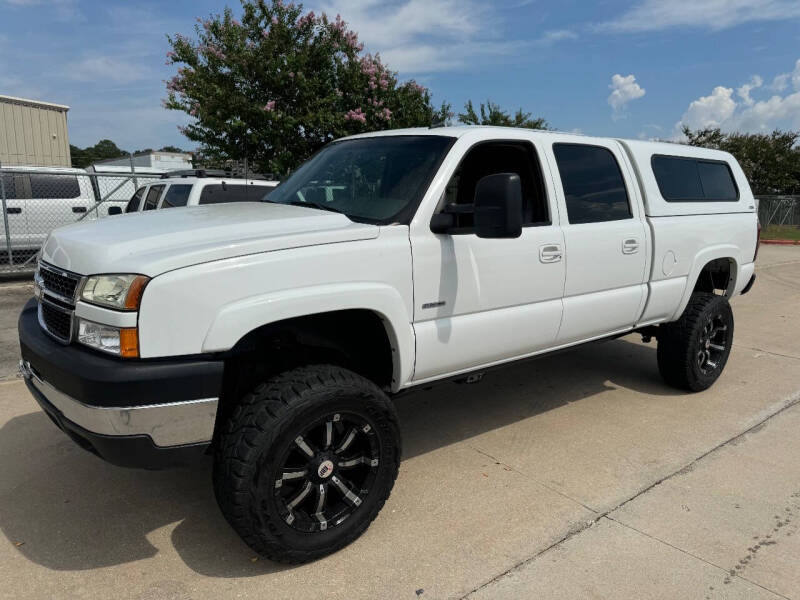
[157, 241]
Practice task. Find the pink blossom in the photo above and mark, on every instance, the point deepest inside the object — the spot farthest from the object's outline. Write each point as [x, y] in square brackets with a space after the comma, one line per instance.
[193, 111]
[265, 33]
[356, 115]
[274, 20]
[385, 114]
[291, 74]
[236, 22]
[269, 106]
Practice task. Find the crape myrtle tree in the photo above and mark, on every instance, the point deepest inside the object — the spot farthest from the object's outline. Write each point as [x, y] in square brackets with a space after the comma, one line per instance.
[280, 83]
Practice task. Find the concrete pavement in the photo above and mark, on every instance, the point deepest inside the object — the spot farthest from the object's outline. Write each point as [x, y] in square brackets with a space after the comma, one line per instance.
[578, 475]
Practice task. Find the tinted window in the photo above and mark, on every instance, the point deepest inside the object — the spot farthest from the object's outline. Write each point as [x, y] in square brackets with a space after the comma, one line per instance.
[152, 197]
[217, 194]
[54, 186]
[692, 180]
[9, 186]
[593, 184]
[177, 195]
[499, 157]
[133, 203]
[717, 181]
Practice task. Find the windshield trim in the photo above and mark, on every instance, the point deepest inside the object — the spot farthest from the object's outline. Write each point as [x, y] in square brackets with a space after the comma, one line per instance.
[404, 215]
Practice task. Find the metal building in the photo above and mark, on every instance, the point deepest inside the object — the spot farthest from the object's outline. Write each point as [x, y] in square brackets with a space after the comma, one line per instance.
[33, 133]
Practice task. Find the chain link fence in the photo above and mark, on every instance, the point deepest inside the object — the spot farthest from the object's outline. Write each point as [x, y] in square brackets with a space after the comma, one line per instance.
[37, 200]
[779, 210]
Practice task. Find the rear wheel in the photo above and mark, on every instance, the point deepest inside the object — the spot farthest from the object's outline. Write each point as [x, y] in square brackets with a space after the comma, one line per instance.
[306, 461]
[693, 351]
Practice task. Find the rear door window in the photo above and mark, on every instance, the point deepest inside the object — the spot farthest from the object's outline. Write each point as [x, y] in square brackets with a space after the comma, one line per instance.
[218, 194]
[177, 195]
[152, 197]
[593, 185]
[54, 186]
[135, 201]
[686, 179]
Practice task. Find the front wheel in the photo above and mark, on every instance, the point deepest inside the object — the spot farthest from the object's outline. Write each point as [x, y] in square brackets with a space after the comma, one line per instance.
[693, 351]
[306, 461]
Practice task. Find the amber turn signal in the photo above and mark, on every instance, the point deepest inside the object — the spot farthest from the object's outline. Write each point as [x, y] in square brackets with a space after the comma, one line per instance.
[135, 291]
[129, 343]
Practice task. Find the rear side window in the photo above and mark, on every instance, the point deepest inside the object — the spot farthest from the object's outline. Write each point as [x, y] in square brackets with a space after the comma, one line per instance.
[682, 179]
[9, 186]
[177, 195]
[152, 197]
[54, 186]
[593, 185]
[217, 194]
[136, 199]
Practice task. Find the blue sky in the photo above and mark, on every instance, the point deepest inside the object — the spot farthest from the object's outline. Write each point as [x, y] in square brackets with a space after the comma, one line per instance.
[607, 67]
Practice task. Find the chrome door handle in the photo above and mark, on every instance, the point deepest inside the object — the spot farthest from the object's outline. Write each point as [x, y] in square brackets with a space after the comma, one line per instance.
[550, 253]
[630, 246]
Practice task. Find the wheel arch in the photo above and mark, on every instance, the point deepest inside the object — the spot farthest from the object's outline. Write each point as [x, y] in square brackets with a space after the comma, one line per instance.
[357, 302]
[721, 259]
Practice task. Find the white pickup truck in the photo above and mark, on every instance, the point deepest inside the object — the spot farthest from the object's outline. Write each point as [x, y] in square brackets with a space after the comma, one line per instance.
[275, 334]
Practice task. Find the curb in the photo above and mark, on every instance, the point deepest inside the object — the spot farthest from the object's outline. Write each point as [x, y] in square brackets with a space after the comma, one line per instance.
[782, 242]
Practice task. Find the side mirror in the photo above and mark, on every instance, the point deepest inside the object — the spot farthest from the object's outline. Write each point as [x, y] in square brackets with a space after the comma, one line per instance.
[114, 210]
[498, 206]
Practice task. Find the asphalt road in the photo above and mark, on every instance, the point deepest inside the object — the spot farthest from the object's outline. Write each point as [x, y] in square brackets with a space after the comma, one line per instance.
[576, 476]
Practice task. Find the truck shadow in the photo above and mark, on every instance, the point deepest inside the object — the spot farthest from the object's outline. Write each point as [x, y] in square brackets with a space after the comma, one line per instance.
[69, 511]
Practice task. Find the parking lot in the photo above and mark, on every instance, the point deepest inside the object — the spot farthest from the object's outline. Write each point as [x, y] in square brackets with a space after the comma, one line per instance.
[578, 475]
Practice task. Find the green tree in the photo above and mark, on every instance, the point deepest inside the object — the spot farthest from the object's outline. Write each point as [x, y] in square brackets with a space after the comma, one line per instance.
[771, 161]
[280, 83]
[83, 157]
[170, 149]
[492, 114]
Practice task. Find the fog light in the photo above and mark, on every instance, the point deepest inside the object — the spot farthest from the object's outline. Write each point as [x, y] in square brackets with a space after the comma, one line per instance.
[122, 342]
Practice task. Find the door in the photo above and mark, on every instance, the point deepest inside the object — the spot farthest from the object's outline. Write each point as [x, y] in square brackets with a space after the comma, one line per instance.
[16, 216]
[605, 241]
[54, 200]
[483, 301]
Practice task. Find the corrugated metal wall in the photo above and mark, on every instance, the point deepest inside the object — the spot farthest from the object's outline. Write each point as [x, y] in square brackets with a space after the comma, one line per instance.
[33, 135]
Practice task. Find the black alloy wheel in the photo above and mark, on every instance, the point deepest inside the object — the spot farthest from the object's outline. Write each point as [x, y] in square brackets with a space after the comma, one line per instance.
[327, 472]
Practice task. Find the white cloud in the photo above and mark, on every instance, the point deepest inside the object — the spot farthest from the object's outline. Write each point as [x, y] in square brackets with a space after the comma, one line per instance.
[652, 15]
[623, 90]
[557, 35]
[712, 110]
[720, 109]
[423, 36]
[745, 89]
[104, 68]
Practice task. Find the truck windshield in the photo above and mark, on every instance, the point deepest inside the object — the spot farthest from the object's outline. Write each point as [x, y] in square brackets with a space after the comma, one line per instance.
[375, 180]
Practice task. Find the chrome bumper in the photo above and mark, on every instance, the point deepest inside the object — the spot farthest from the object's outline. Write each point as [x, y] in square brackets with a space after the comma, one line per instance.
[172, 424]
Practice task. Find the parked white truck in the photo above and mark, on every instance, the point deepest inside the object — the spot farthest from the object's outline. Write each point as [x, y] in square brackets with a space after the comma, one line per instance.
[275, 334]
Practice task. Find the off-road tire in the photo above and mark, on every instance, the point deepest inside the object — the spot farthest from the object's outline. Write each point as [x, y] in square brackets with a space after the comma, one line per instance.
[246, 457]
[680, 342]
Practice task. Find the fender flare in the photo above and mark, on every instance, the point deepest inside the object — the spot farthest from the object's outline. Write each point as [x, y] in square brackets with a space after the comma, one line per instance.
[235, 320]
[701, 259]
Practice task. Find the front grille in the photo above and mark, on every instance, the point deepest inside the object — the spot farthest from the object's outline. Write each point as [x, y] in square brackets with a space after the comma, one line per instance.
[57, 301]
[59, 282]
[57, 321]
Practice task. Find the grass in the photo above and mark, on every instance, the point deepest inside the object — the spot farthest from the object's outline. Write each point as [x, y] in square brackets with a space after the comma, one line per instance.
[781, 232]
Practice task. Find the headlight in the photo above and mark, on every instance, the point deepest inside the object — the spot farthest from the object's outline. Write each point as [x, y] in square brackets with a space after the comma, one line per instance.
[122, 342]
[123, 292]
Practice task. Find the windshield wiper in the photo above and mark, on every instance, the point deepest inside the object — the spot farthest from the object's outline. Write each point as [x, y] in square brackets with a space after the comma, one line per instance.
[318, 205]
